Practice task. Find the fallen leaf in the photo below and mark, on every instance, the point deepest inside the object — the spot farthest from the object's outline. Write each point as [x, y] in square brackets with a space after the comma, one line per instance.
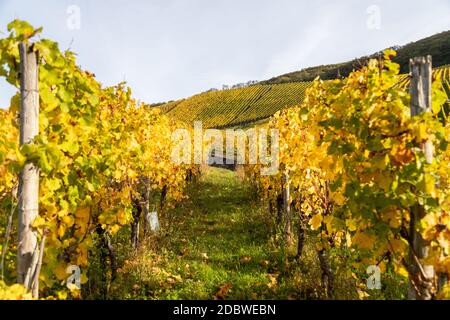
[205, 256]
[223, 291]
[264, 263]
[272, 280]
[362, 294]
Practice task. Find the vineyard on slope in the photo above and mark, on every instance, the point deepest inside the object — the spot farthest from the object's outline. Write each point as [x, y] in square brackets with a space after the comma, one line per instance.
[226, 108]
[237, 107]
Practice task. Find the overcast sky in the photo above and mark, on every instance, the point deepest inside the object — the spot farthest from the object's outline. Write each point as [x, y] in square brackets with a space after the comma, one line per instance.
[168, 49]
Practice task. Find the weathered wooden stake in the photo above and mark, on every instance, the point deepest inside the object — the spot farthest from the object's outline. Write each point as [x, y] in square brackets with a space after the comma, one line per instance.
[286, 206]
[421, 282]
[28, 248]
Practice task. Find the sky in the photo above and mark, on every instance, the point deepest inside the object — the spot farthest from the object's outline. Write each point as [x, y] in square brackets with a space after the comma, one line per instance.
[170, 49]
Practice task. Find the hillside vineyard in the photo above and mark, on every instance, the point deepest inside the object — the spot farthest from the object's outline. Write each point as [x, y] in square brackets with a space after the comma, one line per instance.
[242, 106]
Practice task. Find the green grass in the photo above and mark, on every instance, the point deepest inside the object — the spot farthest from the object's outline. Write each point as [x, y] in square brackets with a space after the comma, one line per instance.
[218, 239]
[222, 244]
[224, 241]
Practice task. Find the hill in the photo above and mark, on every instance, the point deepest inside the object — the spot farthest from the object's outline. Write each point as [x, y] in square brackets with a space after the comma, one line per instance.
[242, 106]
[236, 107]
[437, 45]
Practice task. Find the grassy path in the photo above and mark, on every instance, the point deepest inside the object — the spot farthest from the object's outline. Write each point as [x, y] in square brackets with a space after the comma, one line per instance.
[218, 244]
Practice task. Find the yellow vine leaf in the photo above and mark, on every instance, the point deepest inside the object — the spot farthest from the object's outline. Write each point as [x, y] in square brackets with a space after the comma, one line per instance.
[316, 221]
[363, 240]
[14, 292]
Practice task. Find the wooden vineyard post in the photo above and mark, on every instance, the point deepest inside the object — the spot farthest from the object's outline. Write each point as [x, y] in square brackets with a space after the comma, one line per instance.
[421, 277]
[286, 206]
[28, 254]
